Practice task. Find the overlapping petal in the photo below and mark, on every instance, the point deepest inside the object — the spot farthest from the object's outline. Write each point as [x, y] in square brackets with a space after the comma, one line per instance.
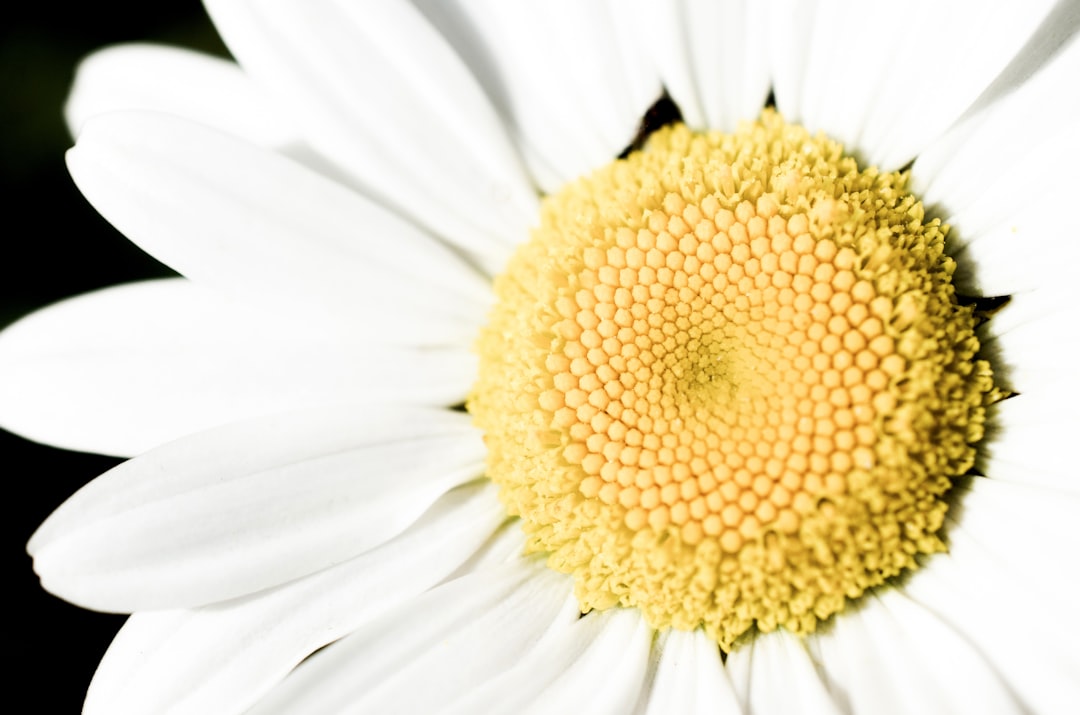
[890, 655]
[386, 97]
[886, 82]
[1000, 178]
[223, 657]
[595, 664]
[757, 668]
[567, 77]
[997, 614]
[171, 80]
[713, 57]
[689, 677]
[244, 507]
[459, 636]
[252, 223]
[195, 86]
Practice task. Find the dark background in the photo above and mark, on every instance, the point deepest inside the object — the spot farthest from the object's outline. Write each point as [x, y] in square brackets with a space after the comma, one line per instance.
[54, 246]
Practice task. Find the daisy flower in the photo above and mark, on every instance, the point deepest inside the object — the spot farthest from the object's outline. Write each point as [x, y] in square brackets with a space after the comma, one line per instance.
[576, 357]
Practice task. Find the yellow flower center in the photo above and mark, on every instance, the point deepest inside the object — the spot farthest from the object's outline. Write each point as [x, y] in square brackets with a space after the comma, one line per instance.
[727, 381]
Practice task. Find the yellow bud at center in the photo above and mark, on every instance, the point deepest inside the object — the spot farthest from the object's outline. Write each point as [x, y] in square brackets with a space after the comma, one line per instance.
[727, 381]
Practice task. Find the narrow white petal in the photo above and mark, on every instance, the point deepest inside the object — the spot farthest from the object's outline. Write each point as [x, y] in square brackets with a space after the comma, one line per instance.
[998, 177]
[980, 151]
[568, 77]
[1032, 649]
[431, 649]
[866, 74]
[507, 543]
[222, 658]
[230, 214]
[603, 674]
[385, 96]
[690, 677]
[713, 57]
[596, 665]
[244, 507]
[890, 655]
[128, 368]
[774, 673]
[789, 46]
[189, 84]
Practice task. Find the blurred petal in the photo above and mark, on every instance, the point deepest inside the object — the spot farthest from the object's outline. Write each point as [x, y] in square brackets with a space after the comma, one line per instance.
[1026, 438]
[232, 215]
[128, 368]
[1017, 528]
[383, 94]
[222, 658]
[240, 508]
[468, 632]
[996, 613]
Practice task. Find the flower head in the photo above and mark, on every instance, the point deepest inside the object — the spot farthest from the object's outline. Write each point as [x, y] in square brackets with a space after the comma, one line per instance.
[746, 424]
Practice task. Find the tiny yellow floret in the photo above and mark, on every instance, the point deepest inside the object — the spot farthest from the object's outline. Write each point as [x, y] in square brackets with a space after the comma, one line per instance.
[727, 381]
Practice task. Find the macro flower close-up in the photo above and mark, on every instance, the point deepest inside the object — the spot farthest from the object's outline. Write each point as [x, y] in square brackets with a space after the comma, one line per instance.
[683, 356]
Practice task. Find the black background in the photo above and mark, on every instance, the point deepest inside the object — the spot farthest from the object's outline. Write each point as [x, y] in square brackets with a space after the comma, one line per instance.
[54, 246]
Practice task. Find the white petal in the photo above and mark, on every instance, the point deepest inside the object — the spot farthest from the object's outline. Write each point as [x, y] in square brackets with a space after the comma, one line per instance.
[595, 665]
[229, 214]
[205, 89]
[1031, 439]
[1019, 530]
[175, 81]
[866, 74]
[1032, 648]
[1030, 248]
[128, 368]
[1047, 302]
[431, 649]
[568, 76]
[600, 674]
[774, 673]
[690, 677]
[383, 95]
[244, 507]
[1000, 177]
[222, 658]
[890, 655]
[955, 170]
[713, 57]
[507, 543]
